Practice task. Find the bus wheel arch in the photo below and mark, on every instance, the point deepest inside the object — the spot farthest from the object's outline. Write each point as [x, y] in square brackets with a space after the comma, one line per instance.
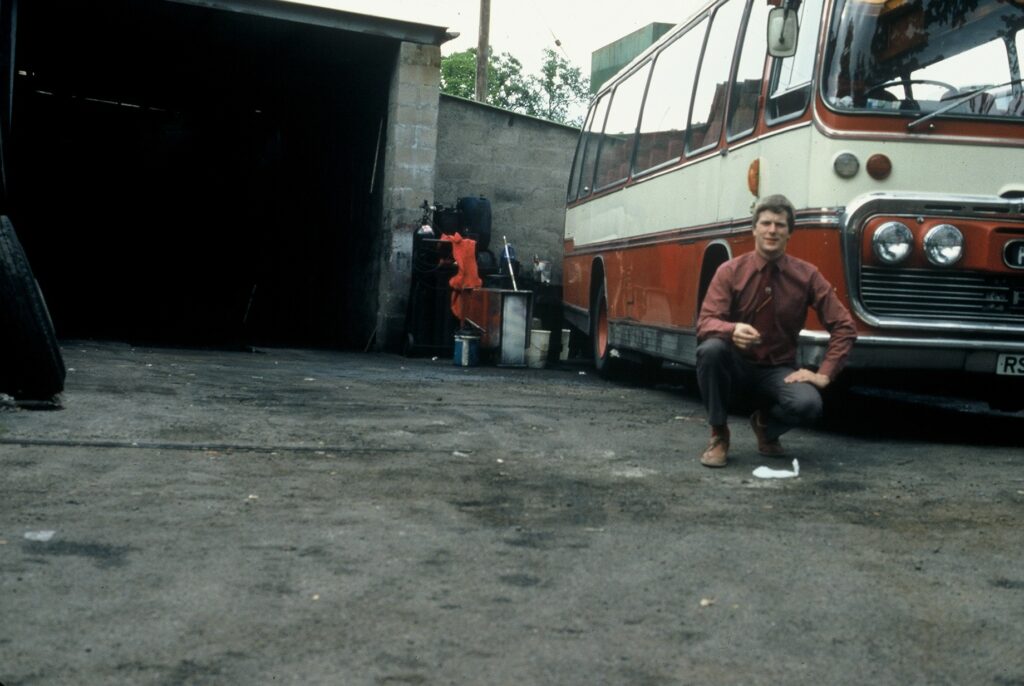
[596, 283]
[715, 254]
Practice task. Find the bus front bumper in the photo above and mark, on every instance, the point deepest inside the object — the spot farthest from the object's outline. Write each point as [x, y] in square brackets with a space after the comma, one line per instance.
[1001, 357]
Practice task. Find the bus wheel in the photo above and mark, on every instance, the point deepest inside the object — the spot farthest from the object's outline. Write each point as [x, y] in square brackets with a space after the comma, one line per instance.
[31, 365]
[603, 360]
[650, 370]
[1005, 398]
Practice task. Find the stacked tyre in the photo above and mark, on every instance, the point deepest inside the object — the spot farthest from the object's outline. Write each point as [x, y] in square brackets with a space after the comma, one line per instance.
[31, 365]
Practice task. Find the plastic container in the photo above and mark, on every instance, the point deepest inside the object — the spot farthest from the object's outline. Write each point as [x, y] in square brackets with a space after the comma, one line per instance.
[563, 353]
[537, 354]
[467, 350]
[475, 218]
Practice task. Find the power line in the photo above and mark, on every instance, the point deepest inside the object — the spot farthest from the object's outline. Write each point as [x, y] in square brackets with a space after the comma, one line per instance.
[558, 42]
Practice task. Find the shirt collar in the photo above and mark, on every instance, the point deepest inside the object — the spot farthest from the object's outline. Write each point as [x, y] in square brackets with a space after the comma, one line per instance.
[762, 263]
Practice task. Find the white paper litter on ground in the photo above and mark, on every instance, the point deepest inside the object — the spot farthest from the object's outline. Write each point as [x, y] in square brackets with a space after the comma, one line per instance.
[769, 473]
[41, 536]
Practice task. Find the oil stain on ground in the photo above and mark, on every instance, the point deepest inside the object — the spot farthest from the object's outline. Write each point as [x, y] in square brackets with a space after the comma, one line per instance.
[103, 555]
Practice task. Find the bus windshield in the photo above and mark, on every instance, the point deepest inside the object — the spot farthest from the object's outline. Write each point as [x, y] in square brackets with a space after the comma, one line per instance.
[926, 58]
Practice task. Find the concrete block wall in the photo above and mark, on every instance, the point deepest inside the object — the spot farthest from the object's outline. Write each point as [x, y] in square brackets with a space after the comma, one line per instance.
[520, 163]
[407, 179]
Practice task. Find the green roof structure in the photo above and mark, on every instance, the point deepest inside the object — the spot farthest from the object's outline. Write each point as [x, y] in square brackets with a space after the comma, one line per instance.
[607, 61]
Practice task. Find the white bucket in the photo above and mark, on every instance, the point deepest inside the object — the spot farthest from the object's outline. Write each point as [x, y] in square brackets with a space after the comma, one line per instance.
[563, 353]
[537, 354]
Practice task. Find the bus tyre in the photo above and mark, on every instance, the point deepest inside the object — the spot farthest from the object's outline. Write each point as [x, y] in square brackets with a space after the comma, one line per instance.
[650, 370]
[604, 361]
[31, 365]
[1006, 398]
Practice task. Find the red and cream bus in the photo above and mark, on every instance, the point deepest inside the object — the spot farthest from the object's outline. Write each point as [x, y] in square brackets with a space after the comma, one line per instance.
[896, 127]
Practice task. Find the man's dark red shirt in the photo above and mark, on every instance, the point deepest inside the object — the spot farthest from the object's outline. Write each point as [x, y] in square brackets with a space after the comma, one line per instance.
[737, 291]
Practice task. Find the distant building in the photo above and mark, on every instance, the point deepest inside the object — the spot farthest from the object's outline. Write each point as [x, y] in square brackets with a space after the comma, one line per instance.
[607, 61]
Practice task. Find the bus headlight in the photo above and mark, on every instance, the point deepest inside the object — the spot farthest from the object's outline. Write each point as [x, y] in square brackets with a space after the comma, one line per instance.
[944, 245]
[892, 242]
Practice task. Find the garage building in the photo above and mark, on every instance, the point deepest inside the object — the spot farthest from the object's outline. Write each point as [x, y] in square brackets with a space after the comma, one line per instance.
[218, 171]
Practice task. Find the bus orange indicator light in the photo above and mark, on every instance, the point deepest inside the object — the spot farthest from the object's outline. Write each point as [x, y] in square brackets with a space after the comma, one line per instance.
[879, 167]
[754, 176]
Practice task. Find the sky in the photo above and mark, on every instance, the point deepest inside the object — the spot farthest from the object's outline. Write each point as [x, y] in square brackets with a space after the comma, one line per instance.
[525, 27]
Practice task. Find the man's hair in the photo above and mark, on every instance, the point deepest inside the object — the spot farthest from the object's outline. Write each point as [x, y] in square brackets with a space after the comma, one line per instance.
[779, 204]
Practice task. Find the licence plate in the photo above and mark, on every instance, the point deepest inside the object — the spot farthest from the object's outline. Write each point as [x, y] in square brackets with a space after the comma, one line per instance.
[1010, 365]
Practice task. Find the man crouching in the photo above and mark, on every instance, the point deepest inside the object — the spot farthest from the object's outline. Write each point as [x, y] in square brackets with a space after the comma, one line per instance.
[748, 332]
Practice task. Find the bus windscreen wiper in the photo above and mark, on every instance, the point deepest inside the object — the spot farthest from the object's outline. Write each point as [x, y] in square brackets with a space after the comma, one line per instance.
[959, 100]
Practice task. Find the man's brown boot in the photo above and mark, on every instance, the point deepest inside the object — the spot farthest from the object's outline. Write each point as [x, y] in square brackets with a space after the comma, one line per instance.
[768, 448]
[717, 451]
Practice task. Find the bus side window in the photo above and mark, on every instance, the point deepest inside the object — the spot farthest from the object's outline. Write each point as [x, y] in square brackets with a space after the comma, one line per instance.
[791, 78]
[620, 130]
[589, 143]
[577, 160]
[746, 86]
[712, 82]
[663, 122]
[1016, 105]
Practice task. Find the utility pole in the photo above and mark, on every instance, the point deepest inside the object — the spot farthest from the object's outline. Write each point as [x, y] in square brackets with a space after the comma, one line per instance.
[483, 51]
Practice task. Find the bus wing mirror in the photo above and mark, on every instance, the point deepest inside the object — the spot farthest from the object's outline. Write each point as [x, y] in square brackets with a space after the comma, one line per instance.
[783, 30]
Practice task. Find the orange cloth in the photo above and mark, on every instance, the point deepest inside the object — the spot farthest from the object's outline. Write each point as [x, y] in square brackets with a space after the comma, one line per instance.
[464, 253]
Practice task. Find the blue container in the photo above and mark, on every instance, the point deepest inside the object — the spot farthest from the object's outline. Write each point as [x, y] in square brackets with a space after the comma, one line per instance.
[467, 350]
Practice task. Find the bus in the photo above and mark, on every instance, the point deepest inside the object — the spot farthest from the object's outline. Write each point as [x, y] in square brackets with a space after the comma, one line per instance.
[896, 128]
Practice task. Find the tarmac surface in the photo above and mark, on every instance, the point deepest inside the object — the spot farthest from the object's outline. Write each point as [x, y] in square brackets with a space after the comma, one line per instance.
[317, 517]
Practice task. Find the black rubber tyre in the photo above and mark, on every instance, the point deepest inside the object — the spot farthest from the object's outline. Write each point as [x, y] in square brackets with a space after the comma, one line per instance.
[604, 363]
[649, 370]
[1006, 397]
[31, 365]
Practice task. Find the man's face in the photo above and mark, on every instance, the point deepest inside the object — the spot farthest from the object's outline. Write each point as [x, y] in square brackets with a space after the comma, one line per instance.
[771, 233]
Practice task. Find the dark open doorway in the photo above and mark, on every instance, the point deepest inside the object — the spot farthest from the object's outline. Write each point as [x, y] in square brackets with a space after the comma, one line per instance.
[188, 175]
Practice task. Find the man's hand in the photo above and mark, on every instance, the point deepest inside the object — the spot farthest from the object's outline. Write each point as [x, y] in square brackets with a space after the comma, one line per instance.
[813, 378]
[744, 336]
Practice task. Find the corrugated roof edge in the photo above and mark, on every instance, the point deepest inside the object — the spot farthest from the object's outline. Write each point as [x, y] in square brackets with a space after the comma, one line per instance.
[306, 13]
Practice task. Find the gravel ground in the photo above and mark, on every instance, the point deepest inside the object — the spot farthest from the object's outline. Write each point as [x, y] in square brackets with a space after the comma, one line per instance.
[319, 517]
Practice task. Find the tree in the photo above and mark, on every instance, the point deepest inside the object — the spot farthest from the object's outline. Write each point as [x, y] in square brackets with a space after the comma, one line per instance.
[458, 73]
[559, 93]
[563, 91]
[506, 85]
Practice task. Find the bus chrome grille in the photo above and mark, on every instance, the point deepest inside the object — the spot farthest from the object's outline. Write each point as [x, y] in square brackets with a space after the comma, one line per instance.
[943, 296]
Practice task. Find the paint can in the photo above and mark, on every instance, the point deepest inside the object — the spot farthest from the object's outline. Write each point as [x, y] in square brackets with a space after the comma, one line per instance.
[467, 350]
